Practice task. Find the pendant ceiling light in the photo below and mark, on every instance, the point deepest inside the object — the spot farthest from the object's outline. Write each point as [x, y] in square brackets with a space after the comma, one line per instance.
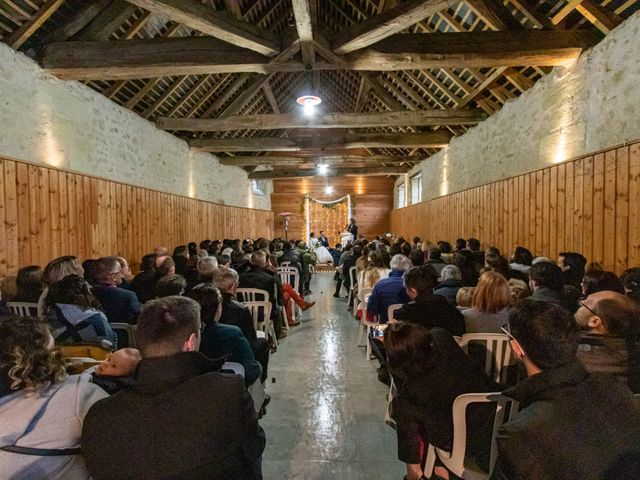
[308, 97]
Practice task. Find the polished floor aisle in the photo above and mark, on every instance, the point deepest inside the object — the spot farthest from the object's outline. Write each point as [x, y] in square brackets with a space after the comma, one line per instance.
[326, 417]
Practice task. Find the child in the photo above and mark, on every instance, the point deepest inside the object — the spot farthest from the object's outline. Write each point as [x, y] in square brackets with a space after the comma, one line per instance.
[117, 371]
[464, 297]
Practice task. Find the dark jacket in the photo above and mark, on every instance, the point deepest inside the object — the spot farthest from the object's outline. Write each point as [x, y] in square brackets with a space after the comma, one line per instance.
[432, 311]
[386, 292]
[573, 425]
[352, 228]
[448, 289]
[422, 411]
[119, 305]
[611, 355]
[258, 277]
[144, 286]
[348, 262]
[235, 313]
[557, 297]
[227, 341]
[437, 265]
[183, 420]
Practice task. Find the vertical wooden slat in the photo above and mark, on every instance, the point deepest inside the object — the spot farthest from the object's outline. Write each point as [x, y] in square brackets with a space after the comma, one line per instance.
[634, 205]
[621, 233]
[609, 212]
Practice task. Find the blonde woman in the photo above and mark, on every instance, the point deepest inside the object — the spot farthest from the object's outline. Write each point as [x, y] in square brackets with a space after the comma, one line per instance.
[55, 271]
[41, 409]
[370, 275]
[490, 307]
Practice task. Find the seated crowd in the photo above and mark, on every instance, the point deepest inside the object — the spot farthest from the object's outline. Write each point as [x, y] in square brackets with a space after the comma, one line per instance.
[171, 399]
[574, 329]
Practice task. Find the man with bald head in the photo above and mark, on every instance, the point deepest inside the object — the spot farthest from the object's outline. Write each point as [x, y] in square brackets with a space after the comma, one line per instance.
[609, 340]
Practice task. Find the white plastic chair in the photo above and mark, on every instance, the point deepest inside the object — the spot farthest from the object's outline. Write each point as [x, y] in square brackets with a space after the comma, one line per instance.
[23, 309]
[285, 264]
[256, 389]
[353, 277]
[252, 294]
[456, 461]
[130, 331]
[366, 326]
[236, 368]
[497, 353]
[266, 325]
[392, 309]
[291, 276]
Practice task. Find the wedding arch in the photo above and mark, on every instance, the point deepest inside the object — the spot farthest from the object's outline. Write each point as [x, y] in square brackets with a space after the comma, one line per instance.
[332, 216]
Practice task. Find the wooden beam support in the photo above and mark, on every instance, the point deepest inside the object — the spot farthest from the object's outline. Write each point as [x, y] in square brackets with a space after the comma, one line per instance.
[564, 11]
[431, 117]
[521, 82]
[218, 24]
[113, 16]
[603, 18]
[244, 161]
[302, 14]
[343, 172]
[81, 19]
[24, 32]
[494, 14]
[350, 140]
[158, 57]
[271, 99]
[535, 17]
[386, 24]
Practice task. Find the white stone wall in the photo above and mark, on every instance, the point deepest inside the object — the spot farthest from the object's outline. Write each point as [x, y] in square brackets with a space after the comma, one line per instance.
[67, 125]
[574, 111]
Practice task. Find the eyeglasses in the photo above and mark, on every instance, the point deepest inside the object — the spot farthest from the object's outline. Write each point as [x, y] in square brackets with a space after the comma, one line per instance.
[582, 304]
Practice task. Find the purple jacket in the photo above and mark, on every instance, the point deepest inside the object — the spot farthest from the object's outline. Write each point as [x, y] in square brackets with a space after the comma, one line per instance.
[385, 293]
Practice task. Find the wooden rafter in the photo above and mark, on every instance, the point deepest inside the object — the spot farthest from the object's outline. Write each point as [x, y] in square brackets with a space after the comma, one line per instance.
[605, 20]
[211, 22]
[386, 24]
[494, 14]
[304, 22]
[81, 19]
[340, 172]
[22, 34]
[243, 161]
[348, 140]
[103, 26]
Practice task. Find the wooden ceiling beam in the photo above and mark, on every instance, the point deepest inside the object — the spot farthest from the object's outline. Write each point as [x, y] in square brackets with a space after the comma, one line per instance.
[304, 22]
[535, 17]
[271, 99]
[386, 24]
[341, 172]
[564, 11]
[217, 24]
[243, 161]
[603, 18]
[518, 80]
[349, 140]
[430, 117]
[494, 14]
[103, 26]
[80, 20]
[18, 37]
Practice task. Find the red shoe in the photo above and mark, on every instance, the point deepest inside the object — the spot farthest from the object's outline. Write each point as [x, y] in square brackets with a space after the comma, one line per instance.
[293, 323]
[307, 305]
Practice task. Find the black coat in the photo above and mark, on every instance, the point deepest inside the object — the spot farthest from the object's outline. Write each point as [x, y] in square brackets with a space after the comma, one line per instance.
[119, 305]
[235, 313]
[573, 425]
[258, 277]
[432, 311]
[423, 405]
[144, 286]
[183, 420]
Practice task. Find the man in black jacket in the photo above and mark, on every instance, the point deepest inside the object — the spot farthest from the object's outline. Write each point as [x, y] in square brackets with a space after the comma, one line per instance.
[572, 424]
[119, 305]
[183, 419]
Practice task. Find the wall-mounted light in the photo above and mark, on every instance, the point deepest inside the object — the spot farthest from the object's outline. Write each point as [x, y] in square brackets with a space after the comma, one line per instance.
[328, 190]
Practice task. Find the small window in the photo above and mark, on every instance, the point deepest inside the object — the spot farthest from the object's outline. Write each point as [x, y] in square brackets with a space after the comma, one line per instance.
[256, 187]
[401, 196]
[416, 188]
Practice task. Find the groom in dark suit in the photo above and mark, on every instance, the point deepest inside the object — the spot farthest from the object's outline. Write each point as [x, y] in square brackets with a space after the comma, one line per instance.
[324, 241]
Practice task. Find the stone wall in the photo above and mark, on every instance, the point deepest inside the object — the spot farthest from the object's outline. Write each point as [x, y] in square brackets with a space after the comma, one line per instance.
[589, 106]
[67, 125]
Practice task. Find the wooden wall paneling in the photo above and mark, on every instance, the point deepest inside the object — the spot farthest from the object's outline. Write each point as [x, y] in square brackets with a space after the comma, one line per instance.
[634, 206]
[589, 205]
[3, 221]
[11, 217]
[621, 228]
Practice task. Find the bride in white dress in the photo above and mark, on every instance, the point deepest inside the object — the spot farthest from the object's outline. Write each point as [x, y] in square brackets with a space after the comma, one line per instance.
[323, 255]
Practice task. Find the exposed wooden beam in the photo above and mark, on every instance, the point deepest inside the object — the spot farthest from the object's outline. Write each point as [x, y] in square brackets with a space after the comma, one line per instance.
[218, 24]
[113, 16]
[233, 7]
[431, 117]
[243, 161]
[343, 172]
[302, 14]
[248, 92]
[24, 32]
[480, 88]
[268, 94]
[386, 24]
[521, 82]
[535, 17]
[350, 140]
[363, 93]
[470, 49]
[603, 18]
[494, 14]
[382, 93]
[81, 19]
[158, 57]
[564, 11]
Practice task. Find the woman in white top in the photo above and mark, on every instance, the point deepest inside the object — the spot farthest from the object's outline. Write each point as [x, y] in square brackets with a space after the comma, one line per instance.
[372, 274]
[490, 306]
[322, 253]
[41, 409]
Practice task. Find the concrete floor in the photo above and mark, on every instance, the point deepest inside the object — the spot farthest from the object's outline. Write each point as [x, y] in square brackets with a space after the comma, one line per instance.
[326, 417]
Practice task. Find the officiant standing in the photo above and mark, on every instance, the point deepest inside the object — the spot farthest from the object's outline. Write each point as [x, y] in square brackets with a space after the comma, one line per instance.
[352, 228]
[324, 241]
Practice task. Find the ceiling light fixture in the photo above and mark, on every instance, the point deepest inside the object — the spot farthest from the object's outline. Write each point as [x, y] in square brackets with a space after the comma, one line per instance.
[323, 169]
[328, 189]
[309, 103]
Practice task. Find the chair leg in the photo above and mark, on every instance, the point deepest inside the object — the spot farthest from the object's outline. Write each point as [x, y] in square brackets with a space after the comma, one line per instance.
[368, 343]
[430, 463]
[361, 330]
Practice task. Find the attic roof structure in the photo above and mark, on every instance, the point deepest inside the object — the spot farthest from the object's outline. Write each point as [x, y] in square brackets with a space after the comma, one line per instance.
[398, 78]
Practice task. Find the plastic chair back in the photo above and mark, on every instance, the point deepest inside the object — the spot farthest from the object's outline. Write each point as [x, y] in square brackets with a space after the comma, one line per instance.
[392, 309]
[252, 295]
[289, 275]
[85, 350]
[456, 460]
[353, 277]
[260, 312]
[234, 367]
[23, 309]
[126, 334]
[285, 264]
[497, 352]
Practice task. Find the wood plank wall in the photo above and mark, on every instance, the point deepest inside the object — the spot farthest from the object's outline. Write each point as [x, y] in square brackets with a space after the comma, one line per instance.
[47, 213]
[589, 205]
[373, 197]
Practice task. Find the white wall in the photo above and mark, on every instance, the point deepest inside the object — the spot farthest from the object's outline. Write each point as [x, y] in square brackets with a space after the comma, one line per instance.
[574, 111]
[67, 125]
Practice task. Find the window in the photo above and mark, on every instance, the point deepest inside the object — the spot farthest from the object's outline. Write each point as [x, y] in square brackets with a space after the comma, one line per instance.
[416, 188]
[256, 187]
[401, 197]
